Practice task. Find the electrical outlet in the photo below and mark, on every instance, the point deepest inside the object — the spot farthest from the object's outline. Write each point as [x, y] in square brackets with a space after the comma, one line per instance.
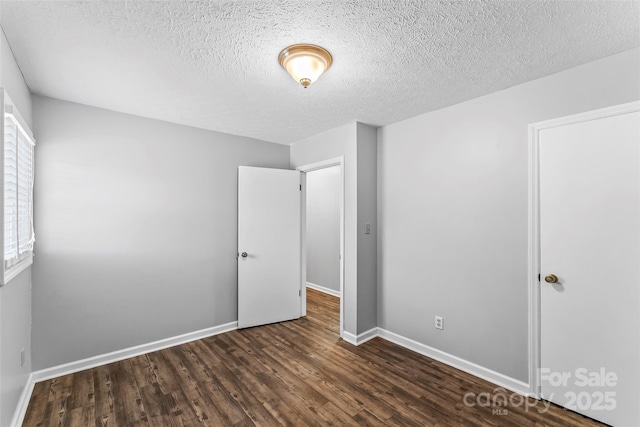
[22, 357]
[439, 322]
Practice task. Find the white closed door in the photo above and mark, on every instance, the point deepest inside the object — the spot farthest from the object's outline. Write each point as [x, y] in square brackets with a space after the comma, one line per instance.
[269, 246]
[590, 242]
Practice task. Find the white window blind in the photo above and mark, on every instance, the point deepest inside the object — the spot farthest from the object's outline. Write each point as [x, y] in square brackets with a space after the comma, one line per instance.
[18, 191]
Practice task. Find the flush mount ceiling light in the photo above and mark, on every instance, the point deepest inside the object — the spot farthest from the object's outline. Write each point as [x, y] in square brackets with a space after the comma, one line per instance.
[305, 62]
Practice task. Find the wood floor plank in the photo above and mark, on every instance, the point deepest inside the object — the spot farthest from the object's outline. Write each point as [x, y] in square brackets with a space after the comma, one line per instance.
[142, 370]
[249, 390]
[187, 374]
[334, 415]
[290, 383]
[102, 390]
[315, 378]
[297, 373]
[37, 405]
[82, 393]
[128, 404]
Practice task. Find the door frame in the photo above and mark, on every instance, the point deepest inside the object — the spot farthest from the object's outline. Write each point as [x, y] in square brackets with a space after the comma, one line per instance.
[336, 161]
[534, 226]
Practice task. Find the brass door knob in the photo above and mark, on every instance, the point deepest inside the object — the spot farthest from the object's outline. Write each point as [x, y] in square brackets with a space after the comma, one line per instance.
[551, 278]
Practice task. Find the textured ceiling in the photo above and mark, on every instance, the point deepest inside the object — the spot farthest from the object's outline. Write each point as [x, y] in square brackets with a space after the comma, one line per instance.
[213, 64]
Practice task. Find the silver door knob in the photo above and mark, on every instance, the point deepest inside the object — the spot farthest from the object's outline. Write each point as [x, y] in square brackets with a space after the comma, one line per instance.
[244, 255]
[551, 278]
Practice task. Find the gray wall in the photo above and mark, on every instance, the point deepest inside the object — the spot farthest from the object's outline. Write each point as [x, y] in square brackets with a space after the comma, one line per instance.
[323, 227]
[136, 222]
[15, 296]
[367, 141]
[452, 191]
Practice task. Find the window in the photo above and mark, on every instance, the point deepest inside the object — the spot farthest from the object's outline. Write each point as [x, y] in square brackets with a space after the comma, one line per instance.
[18, 233]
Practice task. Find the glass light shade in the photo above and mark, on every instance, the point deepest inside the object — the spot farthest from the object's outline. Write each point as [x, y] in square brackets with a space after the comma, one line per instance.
[305, 62]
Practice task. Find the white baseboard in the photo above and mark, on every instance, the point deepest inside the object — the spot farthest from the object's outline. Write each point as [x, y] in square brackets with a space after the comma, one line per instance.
[103, 359]
[23, 403]
[323, 289]
[360, 338]
[462, 364]
[350, 338]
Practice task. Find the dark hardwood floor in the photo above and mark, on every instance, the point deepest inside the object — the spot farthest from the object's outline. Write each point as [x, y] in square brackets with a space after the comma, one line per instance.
[297, 373]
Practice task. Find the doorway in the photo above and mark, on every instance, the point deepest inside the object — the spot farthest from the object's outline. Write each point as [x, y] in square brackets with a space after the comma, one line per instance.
[323, 230]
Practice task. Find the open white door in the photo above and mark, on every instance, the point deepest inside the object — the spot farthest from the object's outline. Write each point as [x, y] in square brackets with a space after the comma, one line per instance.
[590, 267]
[269, 281]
